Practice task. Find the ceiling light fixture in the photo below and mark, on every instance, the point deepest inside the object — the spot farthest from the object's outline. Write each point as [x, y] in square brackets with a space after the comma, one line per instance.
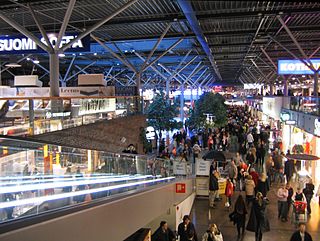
[13, 65]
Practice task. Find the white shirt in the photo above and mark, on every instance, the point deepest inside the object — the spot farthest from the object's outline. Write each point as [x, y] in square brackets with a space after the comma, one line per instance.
[250, 138]
[302, 236]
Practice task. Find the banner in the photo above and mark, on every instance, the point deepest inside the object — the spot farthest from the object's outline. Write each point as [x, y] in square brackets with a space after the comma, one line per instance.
[179, 168]
[19, 44]
[202, 167]
[295, 66]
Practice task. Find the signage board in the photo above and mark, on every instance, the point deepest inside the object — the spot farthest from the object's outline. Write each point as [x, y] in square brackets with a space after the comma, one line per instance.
[179, 168]
[202, 167]
[294, 66]
[20, 44]
[290, 122]
[285, 116]
[271, 106]
[180, 188]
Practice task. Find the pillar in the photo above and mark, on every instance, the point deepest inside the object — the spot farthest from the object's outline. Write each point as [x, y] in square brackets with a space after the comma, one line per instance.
[285, 87]
[54, 75]
[271, 90]
[182, 103]
[315, 84]
[168, 80]
[138, 85]
[31, 117]
[197, 95]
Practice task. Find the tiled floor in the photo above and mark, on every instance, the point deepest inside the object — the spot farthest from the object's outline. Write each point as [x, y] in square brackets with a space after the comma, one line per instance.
[202, 216]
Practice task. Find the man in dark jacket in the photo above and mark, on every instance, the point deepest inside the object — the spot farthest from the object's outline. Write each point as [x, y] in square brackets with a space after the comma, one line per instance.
[163, 233]
[186, 230]
[301, 234]
[213, 187]
[289, 169]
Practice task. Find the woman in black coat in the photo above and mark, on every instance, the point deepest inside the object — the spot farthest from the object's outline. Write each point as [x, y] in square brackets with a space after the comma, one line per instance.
[258, 221]
[238, 216]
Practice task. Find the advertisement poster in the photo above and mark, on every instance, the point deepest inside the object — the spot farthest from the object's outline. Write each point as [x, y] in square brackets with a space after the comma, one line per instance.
[179, 168]
[202, 167]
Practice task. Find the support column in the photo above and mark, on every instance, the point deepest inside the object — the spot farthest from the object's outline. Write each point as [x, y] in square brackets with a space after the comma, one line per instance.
[271, 89]
[54, 74]
[31, 117]
[168, 80]
[191, 95]
[138, 85]
[182, 103]
[197, 96]
[285, 87]
[315, 84]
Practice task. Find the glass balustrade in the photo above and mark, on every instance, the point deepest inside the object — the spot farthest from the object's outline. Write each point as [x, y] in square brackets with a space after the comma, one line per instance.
[38, 177]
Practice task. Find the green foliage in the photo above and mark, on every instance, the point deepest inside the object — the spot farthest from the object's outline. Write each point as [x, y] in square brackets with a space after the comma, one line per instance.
[160, 114]
[208, 103]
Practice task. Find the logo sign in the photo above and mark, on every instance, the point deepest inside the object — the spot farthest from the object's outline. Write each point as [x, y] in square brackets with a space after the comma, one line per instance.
[57, 114]
[317, 127]
[294, 66]
[285, 116]
[180, 188]
[20, 44]
[290, 122]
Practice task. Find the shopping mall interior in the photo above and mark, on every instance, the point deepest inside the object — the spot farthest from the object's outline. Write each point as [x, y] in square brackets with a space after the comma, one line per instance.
[159, 120]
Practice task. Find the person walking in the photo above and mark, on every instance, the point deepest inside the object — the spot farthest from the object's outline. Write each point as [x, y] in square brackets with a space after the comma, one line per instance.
[186, 230]
[301, 234]
[249, 189]
[229, 192]
[258, 221]
[163, 233]
[308, 192]
[232, 171]
[213, 187]
[282, 195]
[212, 234]
[238, 216]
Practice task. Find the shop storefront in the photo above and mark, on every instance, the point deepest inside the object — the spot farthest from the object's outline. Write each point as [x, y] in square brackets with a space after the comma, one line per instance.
[294, 139]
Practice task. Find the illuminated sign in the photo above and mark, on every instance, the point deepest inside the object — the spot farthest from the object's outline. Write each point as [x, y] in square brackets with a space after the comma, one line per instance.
[290, 122]
[285, 116]
[22, 44]
[57, 114]
[294, 66]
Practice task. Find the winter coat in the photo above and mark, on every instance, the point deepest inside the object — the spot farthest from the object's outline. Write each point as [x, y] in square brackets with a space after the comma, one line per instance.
[159, 235]
[296, 236]
[249, 187]
[209, 236]
[258, 218]
[186, 233]
[229, 189]
[232, 171]
[213, 183]
[263, 187]
[289, 169]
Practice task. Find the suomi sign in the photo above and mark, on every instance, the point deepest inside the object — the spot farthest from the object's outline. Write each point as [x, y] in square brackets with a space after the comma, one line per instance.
[22, 44]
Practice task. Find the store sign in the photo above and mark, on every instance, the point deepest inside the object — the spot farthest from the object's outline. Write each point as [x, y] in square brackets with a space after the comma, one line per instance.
[150, 133]
[290, 122]
[57, 114]
[180, 188]
[179, 168]
[202, 167]
[317, 127]
[294, 66]
[21, 44]
[284, 116]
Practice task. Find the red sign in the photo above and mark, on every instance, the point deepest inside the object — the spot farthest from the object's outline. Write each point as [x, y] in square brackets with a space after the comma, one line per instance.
[180, 188]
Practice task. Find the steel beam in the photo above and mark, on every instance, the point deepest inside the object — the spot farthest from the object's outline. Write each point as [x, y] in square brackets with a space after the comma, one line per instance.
[154, 68]
[98, 24]
[190, 14]
[129, 65]
[296, 43]
[24, 31]
[293, 55]
[165, 52]
[54, 74]
[268, 57]
[65, 23]
[80, 71]
[69, 68]
[155, 47]
[40, 27]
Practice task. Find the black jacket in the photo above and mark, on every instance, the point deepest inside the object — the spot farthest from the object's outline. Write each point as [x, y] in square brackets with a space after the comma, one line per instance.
[213, 183]
[296, 236]
[186, 233]
[159, 235]
[258, 218]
